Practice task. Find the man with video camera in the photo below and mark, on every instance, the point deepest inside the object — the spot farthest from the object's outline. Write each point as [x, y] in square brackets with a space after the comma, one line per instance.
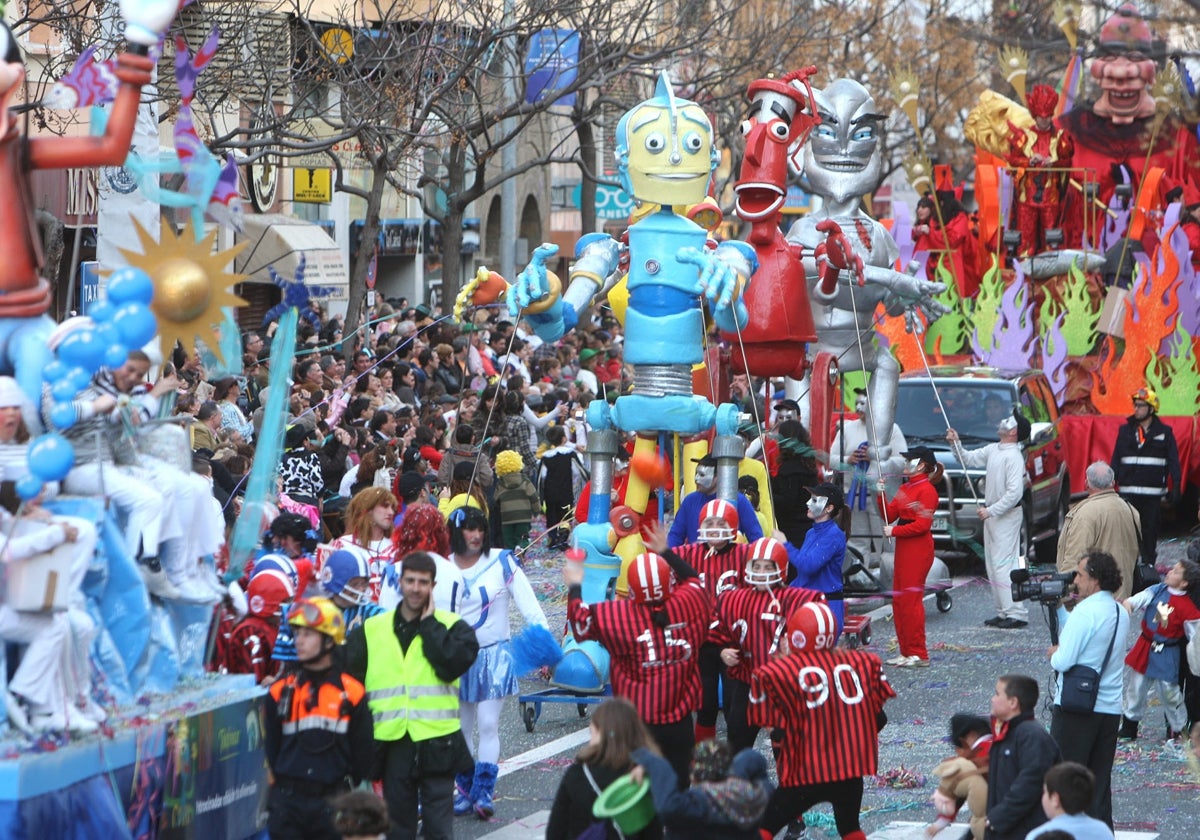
[1089, 656]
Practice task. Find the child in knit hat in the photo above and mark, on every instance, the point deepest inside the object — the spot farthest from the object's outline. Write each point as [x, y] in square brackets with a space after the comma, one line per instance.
[726, 799]
[516, 498]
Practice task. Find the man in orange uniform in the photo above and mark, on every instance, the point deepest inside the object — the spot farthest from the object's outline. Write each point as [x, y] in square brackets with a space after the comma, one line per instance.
[318, 732]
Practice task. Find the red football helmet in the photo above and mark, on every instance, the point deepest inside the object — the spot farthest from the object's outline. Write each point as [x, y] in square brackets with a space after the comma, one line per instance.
[718, 509]
[650, 579]
[767, 548]
[267, 592]
[812, 627]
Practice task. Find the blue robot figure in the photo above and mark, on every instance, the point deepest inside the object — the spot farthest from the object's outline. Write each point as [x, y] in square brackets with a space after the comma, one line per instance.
[665, 156]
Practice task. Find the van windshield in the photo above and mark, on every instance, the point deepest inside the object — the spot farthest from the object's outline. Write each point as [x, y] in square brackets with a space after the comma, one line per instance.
[973, 408]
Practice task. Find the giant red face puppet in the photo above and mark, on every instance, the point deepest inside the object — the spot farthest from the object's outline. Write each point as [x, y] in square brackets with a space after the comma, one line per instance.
[1123, 68]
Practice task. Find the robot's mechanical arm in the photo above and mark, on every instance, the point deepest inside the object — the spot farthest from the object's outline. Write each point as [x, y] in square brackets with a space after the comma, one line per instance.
[537, 294]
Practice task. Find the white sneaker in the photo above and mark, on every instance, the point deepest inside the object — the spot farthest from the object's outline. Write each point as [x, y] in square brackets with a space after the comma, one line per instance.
[92, 710]
[900, 660]
[195, 592]
[209, 580]
[57, 722]
[158, 584]
[16, 713]
[81, 724]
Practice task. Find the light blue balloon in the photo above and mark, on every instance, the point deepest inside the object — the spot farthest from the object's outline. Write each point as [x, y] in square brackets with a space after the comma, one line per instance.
[51, 457]
[64, 390]
[115, 355]
[62, 415]
[130, 285]
[55, 370]
[136, 323]
[101, 311]
[79, 377]
[108, 334]
[28, 487]
[82, 348]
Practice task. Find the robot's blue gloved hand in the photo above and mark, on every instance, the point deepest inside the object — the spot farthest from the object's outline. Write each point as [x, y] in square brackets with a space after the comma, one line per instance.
[531, 284]
[718, 279]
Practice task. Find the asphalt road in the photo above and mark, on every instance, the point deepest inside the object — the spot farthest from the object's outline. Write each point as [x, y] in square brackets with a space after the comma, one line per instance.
[1154, 791]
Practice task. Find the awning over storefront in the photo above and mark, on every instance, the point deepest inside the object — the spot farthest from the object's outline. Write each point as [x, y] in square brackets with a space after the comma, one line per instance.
[279, 241]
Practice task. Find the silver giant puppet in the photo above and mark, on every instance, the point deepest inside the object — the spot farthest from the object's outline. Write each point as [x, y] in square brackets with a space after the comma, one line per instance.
[841, 163]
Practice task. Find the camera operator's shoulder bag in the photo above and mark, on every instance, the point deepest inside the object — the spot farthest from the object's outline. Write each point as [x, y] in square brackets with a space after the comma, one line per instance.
[1081, 684]
[1145, 574]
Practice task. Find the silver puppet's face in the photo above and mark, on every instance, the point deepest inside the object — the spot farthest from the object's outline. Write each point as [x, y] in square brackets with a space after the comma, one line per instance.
[843, 159]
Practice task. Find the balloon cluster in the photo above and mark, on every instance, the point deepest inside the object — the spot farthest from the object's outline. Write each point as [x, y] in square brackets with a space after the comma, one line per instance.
[120, 323]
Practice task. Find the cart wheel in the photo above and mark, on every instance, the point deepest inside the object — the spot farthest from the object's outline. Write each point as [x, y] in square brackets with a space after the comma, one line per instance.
[864, 635]
[529, 716]
[582, 709]
[852, 641]
[944, 602]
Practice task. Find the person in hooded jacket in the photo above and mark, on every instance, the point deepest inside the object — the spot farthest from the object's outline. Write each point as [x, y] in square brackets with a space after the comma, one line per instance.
[727, 797]
[516, 498]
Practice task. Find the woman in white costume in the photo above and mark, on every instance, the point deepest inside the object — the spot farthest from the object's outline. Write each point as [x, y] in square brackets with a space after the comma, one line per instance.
[478, 584]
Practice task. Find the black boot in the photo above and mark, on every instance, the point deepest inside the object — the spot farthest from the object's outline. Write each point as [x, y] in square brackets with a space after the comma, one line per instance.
[1128, 730]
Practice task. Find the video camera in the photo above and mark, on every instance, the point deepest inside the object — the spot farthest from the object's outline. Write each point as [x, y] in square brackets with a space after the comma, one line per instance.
[1044, 589]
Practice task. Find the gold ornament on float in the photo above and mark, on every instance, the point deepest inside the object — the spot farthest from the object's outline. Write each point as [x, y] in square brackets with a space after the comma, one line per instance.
[1014, 64]
[191, 285]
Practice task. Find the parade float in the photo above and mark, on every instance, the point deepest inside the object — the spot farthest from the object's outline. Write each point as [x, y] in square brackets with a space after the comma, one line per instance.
[176, 753]
[1087, 235]
[1082, 186]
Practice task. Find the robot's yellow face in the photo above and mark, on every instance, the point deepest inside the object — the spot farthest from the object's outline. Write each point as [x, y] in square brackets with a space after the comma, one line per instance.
[670, 152]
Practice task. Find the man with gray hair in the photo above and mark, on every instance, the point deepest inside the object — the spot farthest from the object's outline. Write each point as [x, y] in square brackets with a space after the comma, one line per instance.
[333, 372]
[1102, 521]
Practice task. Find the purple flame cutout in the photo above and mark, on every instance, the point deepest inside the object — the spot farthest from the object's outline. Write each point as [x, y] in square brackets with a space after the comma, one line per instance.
[1115, 225]
[902, 232]
[1016, 343]
[1189, 281]
[1054, 362]
[1006, 194]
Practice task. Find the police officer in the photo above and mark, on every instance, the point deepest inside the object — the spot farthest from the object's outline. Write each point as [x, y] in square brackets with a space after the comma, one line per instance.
[410, 661]
[318, 728]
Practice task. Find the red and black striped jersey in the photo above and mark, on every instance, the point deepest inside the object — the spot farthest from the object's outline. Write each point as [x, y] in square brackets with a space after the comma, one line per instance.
[655, 668]
[753, 622]
[720, 570]
[828, 703]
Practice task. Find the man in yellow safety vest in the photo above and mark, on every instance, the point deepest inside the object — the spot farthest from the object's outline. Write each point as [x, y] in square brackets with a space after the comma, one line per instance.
[409, 661]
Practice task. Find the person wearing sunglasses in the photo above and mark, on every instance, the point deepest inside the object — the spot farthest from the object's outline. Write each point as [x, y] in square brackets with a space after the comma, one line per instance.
[319, 731]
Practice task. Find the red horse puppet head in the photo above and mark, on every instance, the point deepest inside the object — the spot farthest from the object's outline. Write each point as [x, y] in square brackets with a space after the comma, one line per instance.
[780, 118]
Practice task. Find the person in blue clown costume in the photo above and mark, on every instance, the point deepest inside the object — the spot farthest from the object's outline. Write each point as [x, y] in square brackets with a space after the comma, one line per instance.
[478, 583]
[1153, 662]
